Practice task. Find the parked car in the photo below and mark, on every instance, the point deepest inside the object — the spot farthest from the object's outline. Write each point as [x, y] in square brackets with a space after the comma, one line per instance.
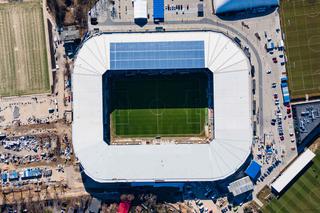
[288, 110]
[275, 60]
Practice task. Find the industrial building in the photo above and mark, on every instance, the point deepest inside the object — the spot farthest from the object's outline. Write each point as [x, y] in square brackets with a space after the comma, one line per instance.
[215, 160]
[225, 6]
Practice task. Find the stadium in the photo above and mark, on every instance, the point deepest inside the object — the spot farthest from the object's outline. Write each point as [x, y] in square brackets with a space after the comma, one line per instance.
[153, 87]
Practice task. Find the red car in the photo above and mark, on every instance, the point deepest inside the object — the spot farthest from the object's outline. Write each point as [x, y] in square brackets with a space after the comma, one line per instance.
[274, 60]
[288, 110]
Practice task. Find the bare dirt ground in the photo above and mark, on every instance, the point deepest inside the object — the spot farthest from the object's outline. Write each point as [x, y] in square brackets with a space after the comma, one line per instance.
[315, 145]
[61, 185]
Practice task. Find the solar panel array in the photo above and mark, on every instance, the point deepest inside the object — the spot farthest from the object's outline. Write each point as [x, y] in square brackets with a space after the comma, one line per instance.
[157, 55]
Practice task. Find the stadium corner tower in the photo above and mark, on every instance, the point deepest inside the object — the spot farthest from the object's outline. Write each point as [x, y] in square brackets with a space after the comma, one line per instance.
[168, 162]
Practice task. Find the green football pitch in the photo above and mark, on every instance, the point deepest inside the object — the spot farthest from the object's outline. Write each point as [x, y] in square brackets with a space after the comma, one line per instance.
[303, 195]
[300, 20]
[162, 105]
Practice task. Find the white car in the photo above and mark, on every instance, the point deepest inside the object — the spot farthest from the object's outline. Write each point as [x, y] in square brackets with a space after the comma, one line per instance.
[268, 71]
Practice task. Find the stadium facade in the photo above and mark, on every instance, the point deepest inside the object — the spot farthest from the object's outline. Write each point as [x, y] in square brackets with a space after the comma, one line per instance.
[216, 160]
[225, 6]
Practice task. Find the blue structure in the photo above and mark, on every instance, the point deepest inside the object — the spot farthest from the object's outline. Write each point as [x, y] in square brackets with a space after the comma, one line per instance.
[253, 170]
[158, 10]
[157, 55]
[31, 173]
[13, 175]
[4, 177]
[285, 90]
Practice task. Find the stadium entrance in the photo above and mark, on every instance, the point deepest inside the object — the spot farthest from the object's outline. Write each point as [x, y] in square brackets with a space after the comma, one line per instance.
[158, 106]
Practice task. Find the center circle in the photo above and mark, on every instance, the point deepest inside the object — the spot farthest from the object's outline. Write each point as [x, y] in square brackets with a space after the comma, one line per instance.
[156, 107]
[314, 194]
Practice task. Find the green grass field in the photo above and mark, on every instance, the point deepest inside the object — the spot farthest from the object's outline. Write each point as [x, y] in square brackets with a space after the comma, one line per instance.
[23, 55]
[174, 105]
[303, 195]
[300, 20]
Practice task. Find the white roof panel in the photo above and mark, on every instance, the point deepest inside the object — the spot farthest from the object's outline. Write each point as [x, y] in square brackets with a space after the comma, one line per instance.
[240, 186]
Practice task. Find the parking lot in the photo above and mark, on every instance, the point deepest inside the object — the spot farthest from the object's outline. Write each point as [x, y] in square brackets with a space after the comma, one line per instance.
[122, 12]
[275, 144]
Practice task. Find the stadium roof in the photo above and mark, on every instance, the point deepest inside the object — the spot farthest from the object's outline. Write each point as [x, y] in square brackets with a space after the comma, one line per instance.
[292, 171]
[165, 162]
[223, 6]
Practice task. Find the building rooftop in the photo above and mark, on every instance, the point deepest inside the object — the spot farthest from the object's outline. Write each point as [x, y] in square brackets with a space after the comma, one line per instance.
[240, 186]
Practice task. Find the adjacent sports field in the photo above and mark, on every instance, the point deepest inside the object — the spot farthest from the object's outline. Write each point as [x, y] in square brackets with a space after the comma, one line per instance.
[300, 20]
[303, 196]
[150, 106]
[23, 55]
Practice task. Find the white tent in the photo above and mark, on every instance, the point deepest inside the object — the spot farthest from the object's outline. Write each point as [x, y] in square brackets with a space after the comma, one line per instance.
[140, 9]
[223, 6]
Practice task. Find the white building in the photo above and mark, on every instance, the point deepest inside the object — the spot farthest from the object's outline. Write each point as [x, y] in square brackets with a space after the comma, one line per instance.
[165, 162]
[224, 6]
[292, 171]
[140, 9]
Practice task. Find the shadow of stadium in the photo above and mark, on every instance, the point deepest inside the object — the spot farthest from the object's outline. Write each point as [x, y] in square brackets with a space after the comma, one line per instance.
[141, 98]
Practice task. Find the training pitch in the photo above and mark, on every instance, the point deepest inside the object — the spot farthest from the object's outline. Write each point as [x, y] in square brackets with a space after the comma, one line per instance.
[300, 20]
[23, 56]
[303, 195]
[162, 105]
